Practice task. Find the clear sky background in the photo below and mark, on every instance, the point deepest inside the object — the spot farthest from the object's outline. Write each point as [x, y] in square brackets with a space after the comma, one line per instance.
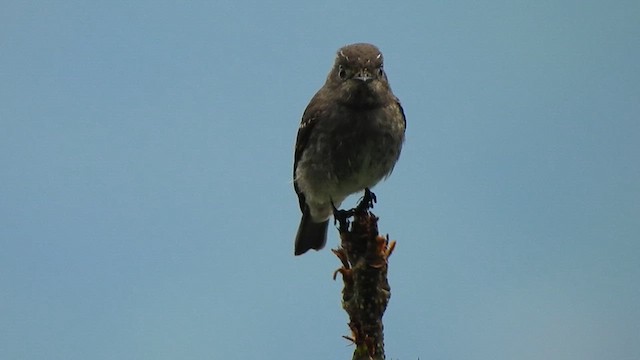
[147, 210]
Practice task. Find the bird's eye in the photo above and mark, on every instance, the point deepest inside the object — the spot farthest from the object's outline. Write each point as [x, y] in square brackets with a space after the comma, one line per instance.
[342, 73]
[380, 71]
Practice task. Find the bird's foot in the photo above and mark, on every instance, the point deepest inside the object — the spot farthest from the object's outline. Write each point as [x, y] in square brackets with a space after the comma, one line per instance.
[367, 201]
[341, 217]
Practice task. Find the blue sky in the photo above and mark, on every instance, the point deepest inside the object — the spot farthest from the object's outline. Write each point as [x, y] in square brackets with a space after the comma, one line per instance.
[146, 205]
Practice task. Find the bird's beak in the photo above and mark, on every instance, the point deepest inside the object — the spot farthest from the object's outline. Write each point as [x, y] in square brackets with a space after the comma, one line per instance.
[363, 75]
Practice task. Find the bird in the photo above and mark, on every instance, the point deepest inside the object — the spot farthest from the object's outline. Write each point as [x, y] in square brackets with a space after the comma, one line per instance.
[350, 138]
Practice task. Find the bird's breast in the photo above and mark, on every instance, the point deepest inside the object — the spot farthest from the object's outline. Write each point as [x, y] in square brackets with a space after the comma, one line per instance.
[366, 150]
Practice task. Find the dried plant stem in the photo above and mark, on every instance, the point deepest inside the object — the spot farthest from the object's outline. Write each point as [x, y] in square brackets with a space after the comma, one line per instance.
[364, 254]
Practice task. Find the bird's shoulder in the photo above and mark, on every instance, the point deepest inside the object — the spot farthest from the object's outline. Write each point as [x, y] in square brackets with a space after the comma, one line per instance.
[396, 102]
[315, 111]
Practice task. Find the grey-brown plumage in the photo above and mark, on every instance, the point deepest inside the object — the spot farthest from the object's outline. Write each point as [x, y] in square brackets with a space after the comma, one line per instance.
[349, 139]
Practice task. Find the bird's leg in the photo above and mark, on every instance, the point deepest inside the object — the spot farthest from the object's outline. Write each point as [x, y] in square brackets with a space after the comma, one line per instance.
[367, 201]
[341, 217]
[370, 197]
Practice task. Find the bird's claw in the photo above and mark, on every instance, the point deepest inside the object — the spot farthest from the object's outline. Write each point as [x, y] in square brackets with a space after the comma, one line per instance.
[341, 217]
[367, 201]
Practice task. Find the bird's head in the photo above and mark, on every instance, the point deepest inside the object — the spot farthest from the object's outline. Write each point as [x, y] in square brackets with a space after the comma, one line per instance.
[358, 78]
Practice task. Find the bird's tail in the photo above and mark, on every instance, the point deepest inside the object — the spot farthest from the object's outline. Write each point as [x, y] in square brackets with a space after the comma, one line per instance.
[311, 235]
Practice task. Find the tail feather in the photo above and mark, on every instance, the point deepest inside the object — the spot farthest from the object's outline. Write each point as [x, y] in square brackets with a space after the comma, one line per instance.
[311, 235]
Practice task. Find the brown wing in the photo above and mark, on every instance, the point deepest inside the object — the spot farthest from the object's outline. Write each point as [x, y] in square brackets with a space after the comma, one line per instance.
[404, 118]
[310, 118]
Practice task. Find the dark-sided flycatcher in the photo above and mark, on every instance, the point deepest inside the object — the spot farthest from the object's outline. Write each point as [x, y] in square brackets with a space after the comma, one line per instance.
[349, 139]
